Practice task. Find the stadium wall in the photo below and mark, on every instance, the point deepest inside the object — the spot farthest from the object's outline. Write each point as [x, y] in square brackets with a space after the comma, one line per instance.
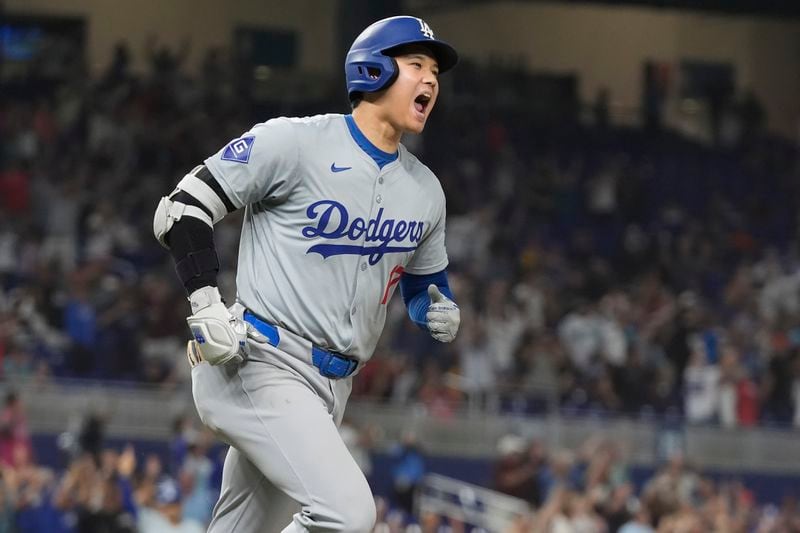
[607, 47]
[206, 23]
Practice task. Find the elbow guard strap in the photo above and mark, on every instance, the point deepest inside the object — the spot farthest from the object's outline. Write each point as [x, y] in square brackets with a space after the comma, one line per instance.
[195, 264]
[169, 212]
[197, 195]
[200, 190]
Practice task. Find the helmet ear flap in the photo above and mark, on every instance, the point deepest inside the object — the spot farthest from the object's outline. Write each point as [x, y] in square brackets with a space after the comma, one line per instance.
[392, 72]
[392, 76]
[368, 72]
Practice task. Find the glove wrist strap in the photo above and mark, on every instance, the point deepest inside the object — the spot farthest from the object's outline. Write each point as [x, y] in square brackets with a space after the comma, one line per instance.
[204, 297]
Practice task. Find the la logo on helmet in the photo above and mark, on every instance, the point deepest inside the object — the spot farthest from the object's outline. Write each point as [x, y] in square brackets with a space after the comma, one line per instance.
[425, 29]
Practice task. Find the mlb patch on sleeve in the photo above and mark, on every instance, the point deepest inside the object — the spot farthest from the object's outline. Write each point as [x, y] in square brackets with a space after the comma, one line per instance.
[239, 149]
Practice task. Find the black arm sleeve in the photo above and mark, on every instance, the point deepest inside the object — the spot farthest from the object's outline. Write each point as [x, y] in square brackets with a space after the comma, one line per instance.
[191, 243]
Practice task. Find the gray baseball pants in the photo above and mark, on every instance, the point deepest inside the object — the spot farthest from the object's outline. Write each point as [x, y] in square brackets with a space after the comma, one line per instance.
[287, 469]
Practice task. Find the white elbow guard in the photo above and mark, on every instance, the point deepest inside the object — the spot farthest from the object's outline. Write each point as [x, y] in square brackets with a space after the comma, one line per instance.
[169, 212]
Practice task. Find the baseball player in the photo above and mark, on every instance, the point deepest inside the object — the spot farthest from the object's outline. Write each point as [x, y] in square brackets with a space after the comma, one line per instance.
[337, 215]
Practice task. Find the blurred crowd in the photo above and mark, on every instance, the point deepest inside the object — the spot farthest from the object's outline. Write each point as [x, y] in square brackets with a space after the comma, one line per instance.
[590, 490]
[98, 488]
[598, 268]
[103, 488]
[608, 270]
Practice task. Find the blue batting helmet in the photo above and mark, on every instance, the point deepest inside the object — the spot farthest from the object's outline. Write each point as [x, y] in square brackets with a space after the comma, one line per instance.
[369, 66]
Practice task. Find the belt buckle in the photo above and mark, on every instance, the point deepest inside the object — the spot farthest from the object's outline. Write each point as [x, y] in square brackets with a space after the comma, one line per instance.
[332, 364]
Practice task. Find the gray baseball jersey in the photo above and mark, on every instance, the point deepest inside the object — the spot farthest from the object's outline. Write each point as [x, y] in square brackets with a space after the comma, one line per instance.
[327, 233]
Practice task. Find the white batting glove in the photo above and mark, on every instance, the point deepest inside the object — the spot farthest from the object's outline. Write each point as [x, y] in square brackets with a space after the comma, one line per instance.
[443, 316]
[220, 336]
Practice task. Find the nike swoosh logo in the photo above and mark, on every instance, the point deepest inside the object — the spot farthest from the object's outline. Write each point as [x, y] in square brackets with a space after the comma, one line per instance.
[334, 168]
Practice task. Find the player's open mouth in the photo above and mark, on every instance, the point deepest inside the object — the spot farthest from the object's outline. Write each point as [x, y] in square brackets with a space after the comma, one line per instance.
[421, 103]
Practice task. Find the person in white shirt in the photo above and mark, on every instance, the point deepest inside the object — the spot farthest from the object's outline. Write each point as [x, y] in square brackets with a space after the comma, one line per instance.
[167, 514]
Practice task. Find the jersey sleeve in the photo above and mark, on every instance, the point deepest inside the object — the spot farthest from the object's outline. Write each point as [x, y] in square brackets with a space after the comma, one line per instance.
[259, 165]
[431, 254]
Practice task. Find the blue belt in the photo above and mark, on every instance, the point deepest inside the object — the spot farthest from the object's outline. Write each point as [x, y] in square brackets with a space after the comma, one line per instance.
[330, 364]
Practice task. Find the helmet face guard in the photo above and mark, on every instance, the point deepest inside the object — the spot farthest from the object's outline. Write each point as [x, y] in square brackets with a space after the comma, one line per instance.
[369, 66]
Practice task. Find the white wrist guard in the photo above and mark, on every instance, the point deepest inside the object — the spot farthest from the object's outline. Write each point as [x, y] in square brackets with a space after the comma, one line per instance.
[221, 337]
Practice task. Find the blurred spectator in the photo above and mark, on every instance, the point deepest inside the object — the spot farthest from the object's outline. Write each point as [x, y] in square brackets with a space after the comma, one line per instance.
[147, 480]
[80, 319]
[701, 380]
[438, 391]
[15, 188]
[14, 433]
[94, 496]
[166, 514]
[618, 507]
[777, 382]
[408, 469]
[92, 435]
[195, 481]
[7, 508]
[730, 374]
[516, 470]
[640, 523]
[580, 336]
[556, 474]
[478, 369]
[670, 489]
[184, 435]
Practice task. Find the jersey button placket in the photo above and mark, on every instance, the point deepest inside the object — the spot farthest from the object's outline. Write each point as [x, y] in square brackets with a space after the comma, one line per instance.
[363, 266]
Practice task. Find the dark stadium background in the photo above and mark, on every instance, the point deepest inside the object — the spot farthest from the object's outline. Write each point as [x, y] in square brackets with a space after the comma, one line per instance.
[623, 185]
